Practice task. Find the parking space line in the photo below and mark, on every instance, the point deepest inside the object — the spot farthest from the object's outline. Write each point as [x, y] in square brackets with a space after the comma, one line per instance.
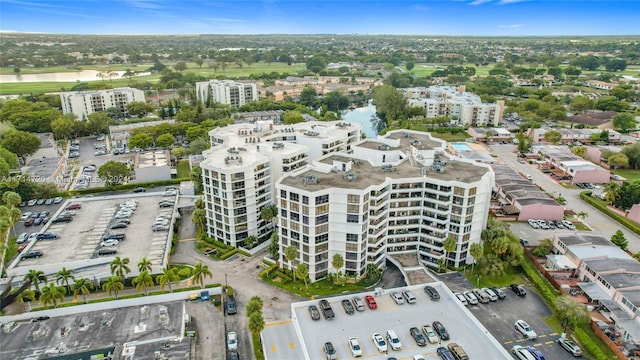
[292, 345]
[278, 322]
[273, 348]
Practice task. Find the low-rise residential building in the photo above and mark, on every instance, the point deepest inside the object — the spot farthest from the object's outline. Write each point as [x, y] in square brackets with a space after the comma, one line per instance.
[120, 134]
[83, 103]
[398, 194]
[253, 116]
[571, 167]
[153, 166]
[573, 136]
[490, 135]
[455, 103]
[226, 92]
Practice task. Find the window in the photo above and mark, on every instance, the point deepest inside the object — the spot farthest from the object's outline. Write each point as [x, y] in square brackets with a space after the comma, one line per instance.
[322, 219]
[294, 207]
[352, 218]
[295, 216]
[323, 199]
[322, 209]
[283, 213]
[459, 191]
[295, 197]
[305, 199]
[283, 194]
[353, 199]
[320, 239]
[353, 209]
[352, 237]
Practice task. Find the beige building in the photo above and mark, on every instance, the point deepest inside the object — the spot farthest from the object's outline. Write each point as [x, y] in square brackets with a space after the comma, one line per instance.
[83, 103]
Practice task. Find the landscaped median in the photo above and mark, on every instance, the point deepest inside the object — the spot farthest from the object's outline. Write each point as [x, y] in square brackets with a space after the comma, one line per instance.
[602, 206]
[217, 249]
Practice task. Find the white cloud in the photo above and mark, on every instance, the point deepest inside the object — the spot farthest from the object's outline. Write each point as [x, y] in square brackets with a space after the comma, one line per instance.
[479, 2]
[507, 2]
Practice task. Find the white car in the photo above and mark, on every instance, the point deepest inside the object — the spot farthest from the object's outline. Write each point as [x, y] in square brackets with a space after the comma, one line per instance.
[492, 296]
[356, 349]
[522, 353]
[379, 342]
[525, 330]
[397, 298]
[568, 224]
[170, 193]
[22, 238]
[533, 224]
[471, 297]
[110, 242]
[462, 299]
[232, 341]
[431, 335]
[393, 340]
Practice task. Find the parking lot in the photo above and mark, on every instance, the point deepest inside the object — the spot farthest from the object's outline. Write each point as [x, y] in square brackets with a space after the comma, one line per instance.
[87, 151]
[500, 316]
[463, 328]
[79, 240]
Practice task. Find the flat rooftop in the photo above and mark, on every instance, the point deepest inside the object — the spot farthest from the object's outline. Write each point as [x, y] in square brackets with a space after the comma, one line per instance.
[95, 330]
[78, 241]
[462, 325]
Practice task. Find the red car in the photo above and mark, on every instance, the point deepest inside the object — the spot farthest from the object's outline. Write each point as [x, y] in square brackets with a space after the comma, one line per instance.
[73, 206]
[371, 302]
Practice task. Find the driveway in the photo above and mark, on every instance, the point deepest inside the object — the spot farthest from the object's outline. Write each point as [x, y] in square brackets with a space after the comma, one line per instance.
[599, 222]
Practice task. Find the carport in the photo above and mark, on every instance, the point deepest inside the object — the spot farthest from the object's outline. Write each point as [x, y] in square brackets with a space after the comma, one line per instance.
[593, 292]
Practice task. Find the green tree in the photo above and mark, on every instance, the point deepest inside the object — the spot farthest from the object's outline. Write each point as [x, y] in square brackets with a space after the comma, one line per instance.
[624, 122]
[543, 249]
[120, 267]
[113, 285]
[199, 272]
[291, 254]
[583, 215]
[51, 294]
[316, 64]
[180, 66]
[553, 136]
[524, 142]
[292, 117]
[579, 151]
[35, 277]
[81, 286]
[63, 276]
[612, 189]
[269, 213]
[143, 281]
[254, 305]
[169, 275]
[140, 140]
[449, 245]
[256, 323]
[337, 262]
[62, 128]
[309, 97]
[618, 161]
[98, 123]
[274, 247]
[139, 108]
[302, 272]
[390, 103]
[114, 173]
[410, 65]
[144, 265]
[10, 158]
[20, 143]
[477, 251]
[581, 104]
[572, 313]
[165, 140]
[620, 240]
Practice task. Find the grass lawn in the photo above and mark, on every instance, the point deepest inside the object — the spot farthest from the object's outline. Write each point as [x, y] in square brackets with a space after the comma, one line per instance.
[511, 276]
[462, 136]
[629, 174]
[581, 226]
[184, 171]
[319, 288]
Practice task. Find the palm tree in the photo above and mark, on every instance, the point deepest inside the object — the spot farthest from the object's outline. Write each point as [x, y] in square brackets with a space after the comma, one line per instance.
[119, 267]
[14, 217]
[168, 276]
[142, 281]
[36, 277]
[499, 245]
[113, 285]
[256, 323]
[572, 312]
[199, 272]
[337, 262]
[254, 304]
[302, 271]
[51, 294]
[449, 245]
[144, 264]
[291, 253]
[269, 213]
[612, 189]
[81, 286]
[583, 215]
[63, 276]
[476, 250]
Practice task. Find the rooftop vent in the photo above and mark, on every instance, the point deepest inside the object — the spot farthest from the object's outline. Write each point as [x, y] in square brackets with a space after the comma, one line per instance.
[416, 142]
[350, 176]
[388, 168]
[342, 124]
[310, 179]
[311, 133]
[407, 135]
[383, 147]
[277, 145]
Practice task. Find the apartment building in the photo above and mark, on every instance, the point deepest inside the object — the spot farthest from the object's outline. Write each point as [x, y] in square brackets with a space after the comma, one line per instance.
[227, 92]
[240, 169]
[83, 103]
[455, 103]
[398, 194]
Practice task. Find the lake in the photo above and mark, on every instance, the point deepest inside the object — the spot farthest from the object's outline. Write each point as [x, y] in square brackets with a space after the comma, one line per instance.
[363, 116]
[82, 75]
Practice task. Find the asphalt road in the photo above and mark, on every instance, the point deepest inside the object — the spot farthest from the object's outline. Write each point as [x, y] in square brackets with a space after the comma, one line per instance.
[599, 222]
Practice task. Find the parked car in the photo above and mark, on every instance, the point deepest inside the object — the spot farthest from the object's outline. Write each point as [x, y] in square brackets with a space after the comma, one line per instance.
[74, 154]
[37, 221]
[114, 236]
[444, 353]
[41, 201]
[57, 199]
[354, 346]
[536, 353]
[457, 351]
[358, 303]
[22, 238]
[518, 289]
[330, 351]
[525, 330]
[379, 342]
[568, 224]
[430, 334]
[471, 298]
[326, 309]
[232, 341]
[371, 302]
[110, 242]
[481, 295]
[440, 330]
[100, 138]
[533, 224]
[34, 254]
[314, 312]
[170, 193]
[119, 225]
[418, 336]
[501, 295]
[43, 214]
[107, 251]
[74, 206]
[409, 297]
[432, 293]
[29, 221]
[570, 346]
[26, 215]
[139, 189]
[393, 340]
[232, 307]
[160, 228]
[397, 297]
[462, 299]
[492, 295]
[60, 219]
[32, 202]
[348, 307]
[49, 201]
[521, 353]
[40, 318]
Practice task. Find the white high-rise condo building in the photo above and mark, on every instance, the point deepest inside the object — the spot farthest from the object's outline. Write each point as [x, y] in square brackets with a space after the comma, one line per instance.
[398, 194]
[83, 103]
[240, 169]
[227, 92]
[455, 103]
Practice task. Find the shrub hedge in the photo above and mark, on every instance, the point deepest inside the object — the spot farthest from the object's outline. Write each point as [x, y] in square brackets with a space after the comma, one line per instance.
[631, 225]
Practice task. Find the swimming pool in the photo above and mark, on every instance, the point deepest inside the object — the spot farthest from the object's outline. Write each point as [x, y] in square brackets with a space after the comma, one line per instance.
[461, 147]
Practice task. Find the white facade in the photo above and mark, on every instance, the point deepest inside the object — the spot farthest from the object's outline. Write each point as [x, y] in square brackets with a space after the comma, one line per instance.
[83, 103]
[449, 101]
[227, 92]
[240, 169]
[396, 195]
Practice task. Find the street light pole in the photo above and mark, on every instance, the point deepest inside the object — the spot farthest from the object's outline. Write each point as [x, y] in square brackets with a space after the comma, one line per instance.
[225, 280]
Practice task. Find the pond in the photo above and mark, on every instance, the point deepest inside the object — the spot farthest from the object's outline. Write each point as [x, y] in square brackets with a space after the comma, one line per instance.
[82, 75]
[365, 116]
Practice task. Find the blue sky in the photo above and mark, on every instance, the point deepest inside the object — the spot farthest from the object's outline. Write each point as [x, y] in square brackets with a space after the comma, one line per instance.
[446, 17]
